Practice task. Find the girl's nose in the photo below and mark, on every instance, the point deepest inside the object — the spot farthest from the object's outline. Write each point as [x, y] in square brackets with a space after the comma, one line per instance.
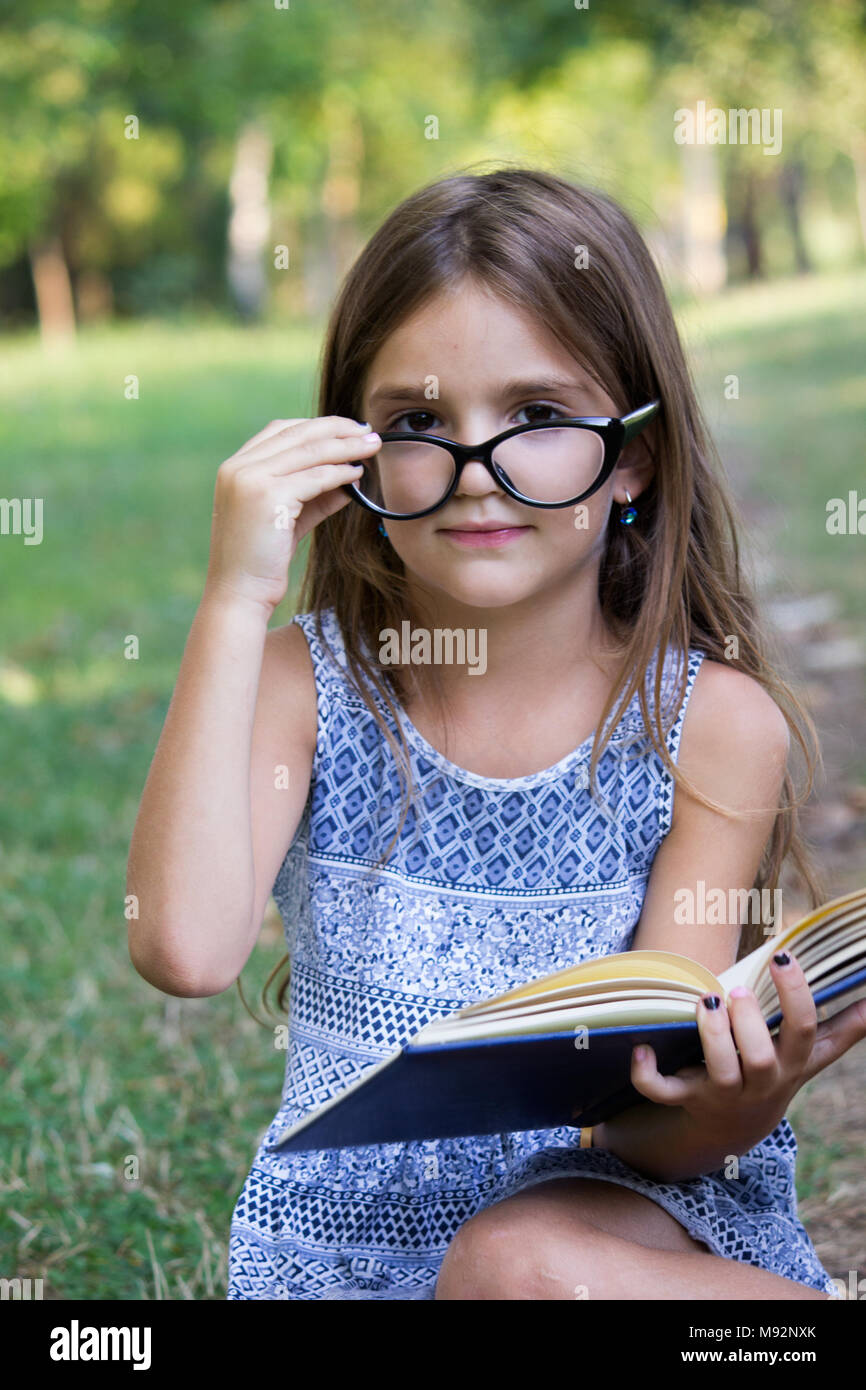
[476, 480]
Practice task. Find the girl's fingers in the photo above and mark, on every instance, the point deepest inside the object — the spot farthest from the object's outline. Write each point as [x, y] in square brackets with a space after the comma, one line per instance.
[646, 1078]
[721, 1064]
[835, 1036]
[758, 1060]
[310, 482]
[293, 441]
[342, 424]
[720, 1052]
[281, 459]
[268, 430]
[799, 1015]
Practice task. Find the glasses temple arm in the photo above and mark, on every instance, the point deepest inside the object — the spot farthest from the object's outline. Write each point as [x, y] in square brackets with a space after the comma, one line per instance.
[635, 422]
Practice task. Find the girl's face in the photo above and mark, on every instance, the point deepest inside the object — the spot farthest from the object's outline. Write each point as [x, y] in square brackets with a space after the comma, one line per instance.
[493, 367]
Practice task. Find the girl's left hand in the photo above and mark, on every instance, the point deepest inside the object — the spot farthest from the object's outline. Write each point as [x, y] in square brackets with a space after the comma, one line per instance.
[741, 1099]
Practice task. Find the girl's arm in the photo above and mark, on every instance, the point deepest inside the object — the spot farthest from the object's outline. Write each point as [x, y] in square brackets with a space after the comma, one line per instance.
[734, 748]
[230, 776]
[215, 820]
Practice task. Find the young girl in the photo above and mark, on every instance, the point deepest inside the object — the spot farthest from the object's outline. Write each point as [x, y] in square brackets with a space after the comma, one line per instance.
[436, 834]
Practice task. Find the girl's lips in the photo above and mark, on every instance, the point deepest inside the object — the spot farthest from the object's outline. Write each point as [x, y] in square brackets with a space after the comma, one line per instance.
[486, 538]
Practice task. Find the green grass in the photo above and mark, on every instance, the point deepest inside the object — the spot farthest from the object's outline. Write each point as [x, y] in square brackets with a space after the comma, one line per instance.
[100, 1070]
[794, 437]
[99, 1067]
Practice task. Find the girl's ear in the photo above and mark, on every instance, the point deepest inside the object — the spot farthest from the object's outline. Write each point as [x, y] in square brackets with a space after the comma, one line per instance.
[635, 469]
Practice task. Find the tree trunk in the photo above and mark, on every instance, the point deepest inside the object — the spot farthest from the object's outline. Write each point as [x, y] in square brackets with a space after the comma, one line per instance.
[703, 219]
[792, 198]
[341, 193]
[858, 159]
[332, 239]
[53, 290]
[94, 297]
[250, 220]
[751, 231]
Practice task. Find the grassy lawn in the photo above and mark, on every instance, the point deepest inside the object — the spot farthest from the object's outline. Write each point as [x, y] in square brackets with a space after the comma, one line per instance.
[131, 1120]
[794, 436]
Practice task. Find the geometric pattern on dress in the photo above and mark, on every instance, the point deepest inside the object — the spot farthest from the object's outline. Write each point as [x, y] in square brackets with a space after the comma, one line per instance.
[495, 882]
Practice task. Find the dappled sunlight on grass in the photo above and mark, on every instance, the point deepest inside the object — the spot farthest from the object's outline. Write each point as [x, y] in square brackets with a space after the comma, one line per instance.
[17, 686]
[792, 433]
[760, 305]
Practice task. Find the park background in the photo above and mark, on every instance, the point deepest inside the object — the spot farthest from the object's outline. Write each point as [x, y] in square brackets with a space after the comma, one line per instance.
[197, 248]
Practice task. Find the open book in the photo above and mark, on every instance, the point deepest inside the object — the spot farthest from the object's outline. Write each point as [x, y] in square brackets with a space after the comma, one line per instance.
[557, 1051]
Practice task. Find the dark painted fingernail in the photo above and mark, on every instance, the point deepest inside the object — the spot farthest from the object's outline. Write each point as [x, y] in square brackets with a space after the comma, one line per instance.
[712, 1001]
[365, 424]
[782, 958]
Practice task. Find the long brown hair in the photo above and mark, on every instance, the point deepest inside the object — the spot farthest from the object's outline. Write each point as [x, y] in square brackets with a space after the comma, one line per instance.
[671, 579]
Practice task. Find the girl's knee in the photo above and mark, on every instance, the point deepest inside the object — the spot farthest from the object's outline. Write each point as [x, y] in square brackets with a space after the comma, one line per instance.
[506, 1252]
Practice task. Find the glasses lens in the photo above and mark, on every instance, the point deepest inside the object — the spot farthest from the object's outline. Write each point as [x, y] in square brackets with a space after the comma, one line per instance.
[406, 476]
[551, 465]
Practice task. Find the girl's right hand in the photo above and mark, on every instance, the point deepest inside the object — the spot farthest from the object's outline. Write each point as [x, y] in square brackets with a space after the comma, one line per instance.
[271, 493]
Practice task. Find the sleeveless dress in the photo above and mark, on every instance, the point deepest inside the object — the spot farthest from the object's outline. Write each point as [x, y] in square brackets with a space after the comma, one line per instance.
[496, 882]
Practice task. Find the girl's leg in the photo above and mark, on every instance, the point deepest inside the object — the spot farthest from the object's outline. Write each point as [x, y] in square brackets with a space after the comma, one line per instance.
[575, 1238]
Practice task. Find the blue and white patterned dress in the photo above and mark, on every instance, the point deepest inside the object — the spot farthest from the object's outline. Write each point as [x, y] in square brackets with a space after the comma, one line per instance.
[497, 882]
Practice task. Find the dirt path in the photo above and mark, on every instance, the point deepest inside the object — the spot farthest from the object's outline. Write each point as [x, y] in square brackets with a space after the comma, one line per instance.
[827, 659]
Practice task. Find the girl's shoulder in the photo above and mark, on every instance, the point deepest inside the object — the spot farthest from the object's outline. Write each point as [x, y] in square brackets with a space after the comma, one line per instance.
[725, 699]
[733, 733]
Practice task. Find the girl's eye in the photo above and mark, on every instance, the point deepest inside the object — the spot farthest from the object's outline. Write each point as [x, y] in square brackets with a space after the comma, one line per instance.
[412, 417]
[553, 411]
[421, 421]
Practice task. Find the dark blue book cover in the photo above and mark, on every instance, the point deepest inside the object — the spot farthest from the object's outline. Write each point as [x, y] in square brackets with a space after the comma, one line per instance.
[495, 1085]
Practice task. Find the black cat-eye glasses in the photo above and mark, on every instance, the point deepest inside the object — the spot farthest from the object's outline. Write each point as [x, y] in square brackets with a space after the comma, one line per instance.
[556, 463]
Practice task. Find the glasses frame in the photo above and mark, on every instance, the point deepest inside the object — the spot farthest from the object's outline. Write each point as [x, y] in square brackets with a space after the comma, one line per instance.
[615, 433]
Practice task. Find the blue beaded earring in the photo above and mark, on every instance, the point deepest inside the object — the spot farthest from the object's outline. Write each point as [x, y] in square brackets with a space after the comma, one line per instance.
[629, 511]
[382, 531]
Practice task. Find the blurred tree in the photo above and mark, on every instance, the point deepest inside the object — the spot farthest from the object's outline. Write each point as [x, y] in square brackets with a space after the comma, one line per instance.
[839, 112]
[250, 219]
[152, 152]
[804, 61]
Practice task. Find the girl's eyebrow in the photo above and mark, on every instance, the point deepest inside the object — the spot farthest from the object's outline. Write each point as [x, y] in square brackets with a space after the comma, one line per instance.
[517, 386]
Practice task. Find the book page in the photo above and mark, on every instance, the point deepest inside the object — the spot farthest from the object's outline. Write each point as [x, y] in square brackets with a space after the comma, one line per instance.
[546, 1013]
[847, 913]
[569, 994]
[665, 966]
[610, 1013]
